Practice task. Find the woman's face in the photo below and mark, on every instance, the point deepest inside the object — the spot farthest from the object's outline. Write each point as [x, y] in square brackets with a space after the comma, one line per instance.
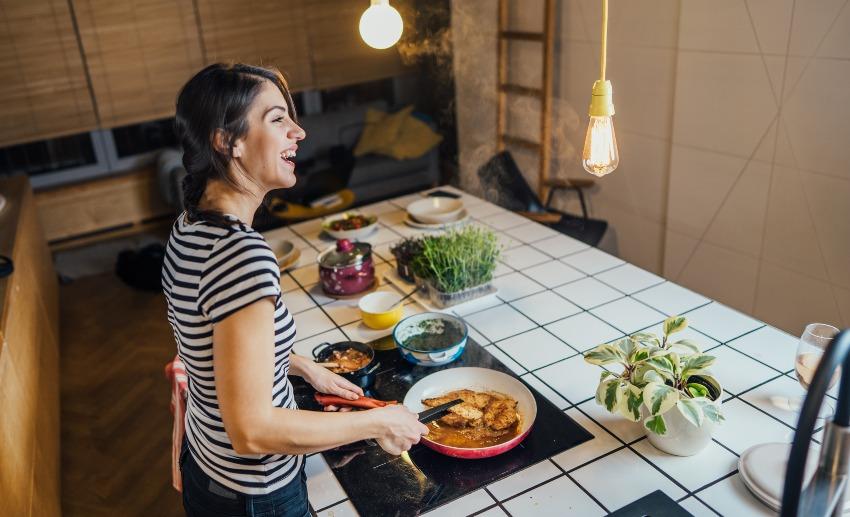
[268, 148]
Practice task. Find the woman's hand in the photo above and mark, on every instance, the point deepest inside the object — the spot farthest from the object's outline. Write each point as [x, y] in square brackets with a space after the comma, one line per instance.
[400, 428]
[325, 381]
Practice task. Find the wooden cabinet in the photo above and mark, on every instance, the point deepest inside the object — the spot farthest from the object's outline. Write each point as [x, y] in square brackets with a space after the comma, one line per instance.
[43, 87]
[29, 362]
[102, 204]
[139, 54]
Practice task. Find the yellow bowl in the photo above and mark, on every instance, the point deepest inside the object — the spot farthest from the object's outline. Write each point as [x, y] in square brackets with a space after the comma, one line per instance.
[373, 309]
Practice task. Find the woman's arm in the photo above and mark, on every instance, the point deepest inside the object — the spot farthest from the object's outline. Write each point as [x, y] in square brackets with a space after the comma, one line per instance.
[243, 361]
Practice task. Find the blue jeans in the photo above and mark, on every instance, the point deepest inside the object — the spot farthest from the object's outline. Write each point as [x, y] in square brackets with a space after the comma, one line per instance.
[204, 497]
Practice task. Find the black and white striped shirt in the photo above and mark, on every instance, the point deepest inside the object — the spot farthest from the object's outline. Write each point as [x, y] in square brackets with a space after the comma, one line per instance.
[209, 273]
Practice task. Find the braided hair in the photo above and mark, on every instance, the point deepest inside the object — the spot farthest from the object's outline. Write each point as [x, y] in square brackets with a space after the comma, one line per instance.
[217, 98]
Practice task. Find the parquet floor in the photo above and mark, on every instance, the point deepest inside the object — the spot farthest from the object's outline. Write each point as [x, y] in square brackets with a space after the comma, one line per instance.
[116, 426]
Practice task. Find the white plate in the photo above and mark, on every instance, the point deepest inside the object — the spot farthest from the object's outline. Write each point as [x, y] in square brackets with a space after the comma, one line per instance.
[463, 218]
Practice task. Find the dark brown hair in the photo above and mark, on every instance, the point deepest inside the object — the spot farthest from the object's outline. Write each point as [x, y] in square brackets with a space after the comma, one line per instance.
[217, 98]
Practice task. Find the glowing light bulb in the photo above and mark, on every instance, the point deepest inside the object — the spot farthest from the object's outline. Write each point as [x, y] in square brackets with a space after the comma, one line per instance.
[600, 155]
[381, 25]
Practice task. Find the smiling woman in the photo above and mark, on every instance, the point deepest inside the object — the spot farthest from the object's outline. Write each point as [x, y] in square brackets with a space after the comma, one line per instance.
[245, 436]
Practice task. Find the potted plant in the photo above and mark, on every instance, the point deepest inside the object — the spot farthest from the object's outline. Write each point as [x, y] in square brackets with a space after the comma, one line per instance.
[404, 251]
[457, 266]
[665, 384]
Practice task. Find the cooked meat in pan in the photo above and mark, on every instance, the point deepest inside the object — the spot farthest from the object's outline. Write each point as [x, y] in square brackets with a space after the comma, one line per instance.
[484, 418]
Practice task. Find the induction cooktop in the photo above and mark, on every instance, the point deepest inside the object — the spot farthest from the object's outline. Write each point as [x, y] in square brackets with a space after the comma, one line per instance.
[378, 483]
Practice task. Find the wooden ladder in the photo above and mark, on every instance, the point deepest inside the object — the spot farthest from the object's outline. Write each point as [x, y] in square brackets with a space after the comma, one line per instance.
[546, 38]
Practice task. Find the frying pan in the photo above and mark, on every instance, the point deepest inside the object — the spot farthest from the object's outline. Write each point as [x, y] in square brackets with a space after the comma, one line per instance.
[478, 379]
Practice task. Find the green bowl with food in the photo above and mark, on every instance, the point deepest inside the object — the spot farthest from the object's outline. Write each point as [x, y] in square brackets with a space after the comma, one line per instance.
[431, 338]
[350, 225]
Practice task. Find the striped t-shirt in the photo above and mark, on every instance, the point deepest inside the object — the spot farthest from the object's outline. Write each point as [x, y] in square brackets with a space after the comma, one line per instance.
[209, 273]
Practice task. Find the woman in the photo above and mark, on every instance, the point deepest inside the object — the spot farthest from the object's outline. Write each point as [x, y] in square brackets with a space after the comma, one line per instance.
[245, 436]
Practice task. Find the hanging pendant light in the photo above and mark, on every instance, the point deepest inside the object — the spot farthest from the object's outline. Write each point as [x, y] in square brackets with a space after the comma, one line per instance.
[600, 155]
[381, 25]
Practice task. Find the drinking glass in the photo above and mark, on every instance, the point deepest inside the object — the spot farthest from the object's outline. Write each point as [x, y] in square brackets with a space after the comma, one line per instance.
[816, 337]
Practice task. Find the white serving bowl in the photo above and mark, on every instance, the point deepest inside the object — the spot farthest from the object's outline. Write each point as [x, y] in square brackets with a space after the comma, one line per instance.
[353, 234]
[435, 210]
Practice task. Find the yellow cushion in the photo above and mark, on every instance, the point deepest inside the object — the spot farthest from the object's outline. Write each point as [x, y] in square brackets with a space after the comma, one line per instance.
[381, 130]
[414, 139]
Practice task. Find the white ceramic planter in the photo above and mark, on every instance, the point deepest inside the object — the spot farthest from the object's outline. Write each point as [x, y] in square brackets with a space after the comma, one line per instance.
[682, 438]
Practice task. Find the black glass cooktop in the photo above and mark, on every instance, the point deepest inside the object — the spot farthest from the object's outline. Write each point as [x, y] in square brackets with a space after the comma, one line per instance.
[380, 484]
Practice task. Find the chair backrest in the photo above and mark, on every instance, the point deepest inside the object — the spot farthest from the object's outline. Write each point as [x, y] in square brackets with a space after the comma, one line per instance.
[504, 185]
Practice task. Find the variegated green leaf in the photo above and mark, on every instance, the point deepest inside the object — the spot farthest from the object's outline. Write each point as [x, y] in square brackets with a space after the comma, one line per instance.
[699, 362]
[710, 410]
[697, 390]
[604, 375]
[656, 424]
[675, 324]
[638, 374]
[657, 351]
[688, 344]
[606, 394]
[639, 355]
[626, 346]
[631, 402]
[646, 339]
[662, 365]
[659, 398]
[653, 376]
[692, 411]
[676, 361]
[604, 354]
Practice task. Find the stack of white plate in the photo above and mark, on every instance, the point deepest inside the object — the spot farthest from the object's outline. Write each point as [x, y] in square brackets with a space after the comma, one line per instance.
[436, 213]
[762, 469]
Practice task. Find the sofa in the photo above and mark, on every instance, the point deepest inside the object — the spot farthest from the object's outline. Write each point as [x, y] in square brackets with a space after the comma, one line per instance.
[324, 163]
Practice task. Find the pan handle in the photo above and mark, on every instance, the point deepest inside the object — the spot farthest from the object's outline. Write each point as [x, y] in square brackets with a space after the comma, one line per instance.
[319, 349]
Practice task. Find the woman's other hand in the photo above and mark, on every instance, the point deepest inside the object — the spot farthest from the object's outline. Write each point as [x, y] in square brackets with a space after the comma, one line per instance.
[325, 381]
[400, 428]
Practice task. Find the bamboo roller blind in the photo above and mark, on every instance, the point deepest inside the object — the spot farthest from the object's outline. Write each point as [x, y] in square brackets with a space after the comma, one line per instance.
[139, 54]
[315, 43]
[260, 32]
[43, 89]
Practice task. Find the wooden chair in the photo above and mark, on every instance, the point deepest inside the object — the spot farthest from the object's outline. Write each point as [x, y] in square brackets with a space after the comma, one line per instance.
[505, 185]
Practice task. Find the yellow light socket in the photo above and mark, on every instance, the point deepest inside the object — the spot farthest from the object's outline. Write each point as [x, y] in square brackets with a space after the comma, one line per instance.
[601, 102]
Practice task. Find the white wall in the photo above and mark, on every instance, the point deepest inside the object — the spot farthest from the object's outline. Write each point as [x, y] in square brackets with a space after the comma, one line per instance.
[733, 119]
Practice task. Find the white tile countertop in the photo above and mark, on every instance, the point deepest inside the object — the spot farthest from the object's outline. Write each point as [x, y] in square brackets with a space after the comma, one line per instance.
[558, 298]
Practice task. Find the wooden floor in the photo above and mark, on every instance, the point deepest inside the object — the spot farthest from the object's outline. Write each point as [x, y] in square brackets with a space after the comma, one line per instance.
[116, 425]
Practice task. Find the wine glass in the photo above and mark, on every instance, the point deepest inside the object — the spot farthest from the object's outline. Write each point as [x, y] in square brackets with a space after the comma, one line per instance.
[816, 337]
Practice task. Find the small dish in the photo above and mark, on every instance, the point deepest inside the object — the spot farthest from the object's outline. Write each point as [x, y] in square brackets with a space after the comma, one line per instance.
[435, 210]
[462, 219]
[369, 225]
[373, 309]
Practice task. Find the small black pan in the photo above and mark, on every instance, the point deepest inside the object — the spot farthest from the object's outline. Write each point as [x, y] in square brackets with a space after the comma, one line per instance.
[362, 377]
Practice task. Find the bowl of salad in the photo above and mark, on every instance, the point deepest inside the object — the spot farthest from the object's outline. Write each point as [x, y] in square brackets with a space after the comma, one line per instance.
[350, 225]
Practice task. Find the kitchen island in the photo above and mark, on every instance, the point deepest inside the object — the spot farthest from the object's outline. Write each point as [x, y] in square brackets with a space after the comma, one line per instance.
[556, 299]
